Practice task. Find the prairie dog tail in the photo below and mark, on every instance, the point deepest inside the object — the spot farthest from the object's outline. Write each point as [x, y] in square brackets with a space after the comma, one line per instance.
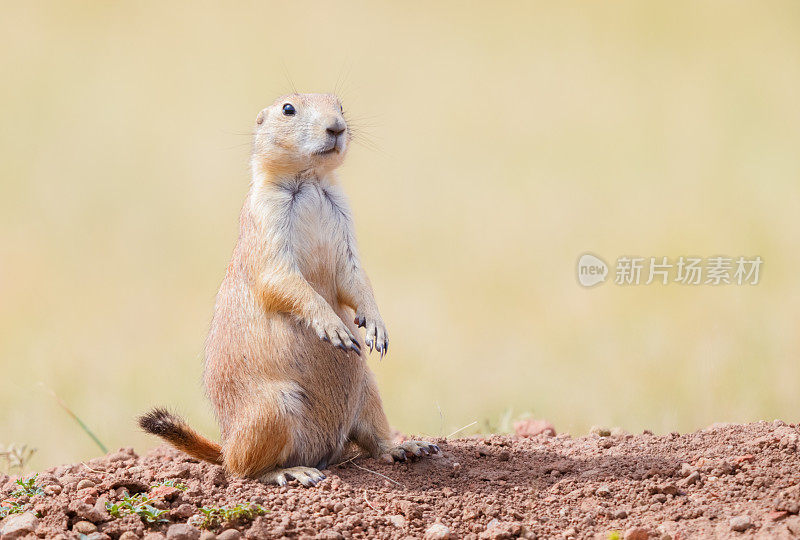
[177, 432]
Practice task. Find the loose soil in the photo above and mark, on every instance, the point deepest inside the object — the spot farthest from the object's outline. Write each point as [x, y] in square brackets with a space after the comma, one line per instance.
[725, 481]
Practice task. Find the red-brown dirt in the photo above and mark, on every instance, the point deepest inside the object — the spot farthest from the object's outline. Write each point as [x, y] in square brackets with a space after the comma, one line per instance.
[724, 481]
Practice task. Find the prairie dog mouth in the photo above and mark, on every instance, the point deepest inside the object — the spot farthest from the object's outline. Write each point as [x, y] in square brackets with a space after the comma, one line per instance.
[334, 148]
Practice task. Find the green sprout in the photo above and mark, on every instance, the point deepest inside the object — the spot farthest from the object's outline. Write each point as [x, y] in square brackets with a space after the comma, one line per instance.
[172, 483]
[140, 505]
[210, 518]
[28, 487]
[8, 507]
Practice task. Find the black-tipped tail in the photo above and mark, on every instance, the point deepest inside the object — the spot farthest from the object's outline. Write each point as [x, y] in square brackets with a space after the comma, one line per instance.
[177, 432]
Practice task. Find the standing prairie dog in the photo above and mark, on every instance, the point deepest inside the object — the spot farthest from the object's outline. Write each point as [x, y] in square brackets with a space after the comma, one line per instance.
[284, 370]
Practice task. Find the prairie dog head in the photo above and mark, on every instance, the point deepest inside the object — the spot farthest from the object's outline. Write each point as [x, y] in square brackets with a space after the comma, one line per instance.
[300, 133]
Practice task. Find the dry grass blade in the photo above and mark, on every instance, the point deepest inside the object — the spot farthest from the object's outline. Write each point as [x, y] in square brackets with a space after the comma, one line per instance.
[83, 426]
[16, 456]
[459, 430]
[377, 473]
[369, 503]
[93, 470]
[351, 461]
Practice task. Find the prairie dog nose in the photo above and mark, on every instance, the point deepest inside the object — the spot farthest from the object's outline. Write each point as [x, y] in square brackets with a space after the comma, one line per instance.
[336, 126]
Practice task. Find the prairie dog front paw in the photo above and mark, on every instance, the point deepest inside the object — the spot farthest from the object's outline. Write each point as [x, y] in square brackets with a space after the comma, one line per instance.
[330, 328]
[376, 334]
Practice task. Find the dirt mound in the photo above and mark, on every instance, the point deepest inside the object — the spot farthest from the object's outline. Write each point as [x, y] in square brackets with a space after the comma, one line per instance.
[725, 481]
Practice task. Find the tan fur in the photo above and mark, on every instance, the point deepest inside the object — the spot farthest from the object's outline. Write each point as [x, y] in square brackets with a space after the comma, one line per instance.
[289, 385]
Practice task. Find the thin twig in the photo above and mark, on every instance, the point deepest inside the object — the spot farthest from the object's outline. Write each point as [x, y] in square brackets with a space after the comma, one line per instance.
[461, 429]
[347, 461]
[379, 474]
[441, 419]
[351, 461]
[368, 503]
[93, 470]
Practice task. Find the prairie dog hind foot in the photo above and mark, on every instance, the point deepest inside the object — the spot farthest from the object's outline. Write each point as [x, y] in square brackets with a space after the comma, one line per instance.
[308, 476]
[410, 449]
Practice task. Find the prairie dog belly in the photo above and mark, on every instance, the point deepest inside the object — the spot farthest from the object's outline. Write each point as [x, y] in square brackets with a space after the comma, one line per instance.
[329, 381]
[327, 392]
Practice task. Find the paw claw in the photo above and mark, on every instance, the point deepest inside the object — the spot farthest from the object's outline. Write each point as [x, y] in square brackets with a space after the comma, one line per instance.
[307, 476]
[418, 448]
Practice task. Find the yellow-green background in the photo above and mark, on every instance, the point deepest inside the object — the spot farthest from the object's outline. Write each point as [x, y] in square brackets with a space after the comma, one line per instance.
[511, 138]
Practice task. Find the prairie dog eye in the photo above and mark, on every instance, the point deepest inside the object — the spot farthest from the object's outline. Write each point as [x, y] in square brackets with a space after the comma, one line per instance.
[288, 109]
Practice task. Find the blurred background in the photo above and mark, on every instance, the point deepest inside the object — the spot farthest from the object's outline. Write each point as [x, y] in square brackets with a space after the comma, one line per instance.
[502, 141]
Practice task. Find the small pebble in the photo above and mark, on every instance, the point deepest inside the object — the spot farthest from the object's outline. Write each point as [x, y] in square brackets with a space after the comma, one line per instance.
[85, 483]
[437, 531]
[741, 523]
[693, 478]
[84, 527]
[184, 511]
[19, 525]
[637, 533]
[52, 489]
[605, 443]
[668, 489]
[182, 531]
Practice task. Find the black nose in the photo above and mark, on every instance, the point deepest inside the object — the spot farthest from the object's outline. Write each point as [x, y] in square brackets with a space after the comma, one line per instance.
[336, 128]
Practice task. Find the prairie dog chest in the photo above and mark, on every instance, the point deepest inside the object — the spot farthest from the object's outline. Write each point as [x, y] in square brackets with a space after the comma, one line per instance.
[317, 224]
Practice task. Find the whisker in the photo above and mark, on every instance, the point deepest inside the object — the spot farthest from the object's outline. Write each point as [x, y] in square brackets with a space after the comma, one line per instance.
[288, 77]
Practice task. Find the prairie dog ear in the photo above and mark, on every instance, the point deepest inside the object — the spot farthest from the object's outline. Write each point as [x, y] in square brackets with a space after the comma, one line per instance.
[260, 118]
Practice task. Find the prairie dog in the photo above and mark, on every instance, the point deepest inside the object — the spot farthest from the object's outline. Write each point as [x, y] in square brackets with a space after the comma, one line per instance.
[284, 369]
